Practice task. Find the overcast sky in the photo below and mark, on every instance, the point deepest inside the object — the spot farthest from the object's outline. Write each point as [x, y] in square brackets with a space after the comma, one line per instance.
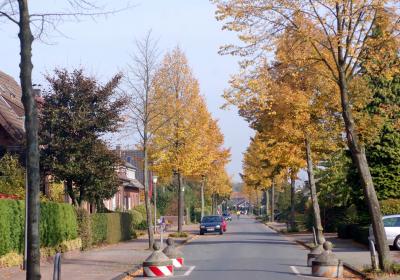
[102, 47]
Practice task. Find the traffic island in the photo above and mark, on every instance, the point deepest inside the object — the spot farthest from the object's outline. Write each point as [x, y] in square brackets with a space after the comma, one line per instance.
[157, 264]
[174, 254]
[327, 264]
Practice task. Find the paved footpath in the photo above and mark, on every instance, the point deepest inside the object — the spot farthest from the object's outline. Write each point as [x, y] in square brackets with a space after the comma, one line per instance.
[349, 251]
[102, 263]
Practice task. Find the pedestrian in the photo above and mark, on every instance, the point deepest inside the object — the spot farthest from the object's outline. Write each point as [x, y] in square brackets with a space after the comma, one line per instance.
[238, 214]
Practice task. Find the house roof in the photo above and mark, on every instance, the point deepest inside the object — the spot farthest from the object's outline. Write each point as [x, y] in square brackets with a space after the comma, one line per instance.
[11, 108]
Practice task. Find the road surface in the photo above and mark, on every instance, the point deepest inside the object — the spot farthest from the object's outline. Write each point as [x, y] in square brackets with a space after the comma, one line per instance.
[249, 250]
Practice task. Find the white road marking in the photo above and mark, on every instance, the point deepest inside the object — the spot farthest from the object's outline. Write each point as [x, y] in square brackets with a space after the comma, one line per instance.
[294, 269]
[187, 273]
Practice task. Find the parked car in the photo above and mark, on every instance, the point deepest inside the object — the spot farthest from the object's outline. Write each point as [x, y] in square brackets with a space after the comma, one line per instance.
[227, 216]
[212, 224]
[392, 229]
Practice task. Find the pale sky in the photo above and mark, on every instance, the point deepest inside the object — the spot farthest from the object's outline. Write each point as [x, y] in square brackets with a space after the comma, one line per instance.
[102, 47]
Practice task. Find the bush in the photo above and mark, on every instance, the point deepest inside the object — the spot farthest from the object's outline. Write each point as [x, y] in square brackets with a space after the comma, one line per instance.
[84, 228]
[57, 224]
[111, 227]
[177, 234]
[137, 219]
[390, 206]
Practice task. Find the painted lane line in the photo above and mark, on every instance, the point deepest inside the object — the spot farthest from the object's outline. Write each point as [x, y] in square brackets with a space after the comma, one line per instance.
[294, 269]
[187, 273]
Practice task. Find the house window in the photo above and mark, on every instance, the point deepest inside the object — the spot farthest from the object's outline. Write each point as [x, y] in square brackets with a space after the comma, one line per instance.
[113, 203]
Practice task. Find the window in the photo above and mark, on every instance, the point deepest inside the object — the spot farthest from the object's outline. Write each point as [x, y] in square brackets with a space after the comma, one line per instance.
[392, 222]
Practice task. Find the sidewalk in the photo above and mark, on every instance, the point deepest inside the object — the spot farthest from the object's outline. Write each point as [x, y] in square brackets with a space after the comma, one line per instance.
[351, 252]
[105, 262]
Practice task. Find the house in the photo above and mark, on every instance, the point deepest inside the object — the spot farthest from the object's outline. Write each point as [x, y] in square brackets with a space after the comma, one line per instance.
[129, 189]
[136, 158]
[11, 115]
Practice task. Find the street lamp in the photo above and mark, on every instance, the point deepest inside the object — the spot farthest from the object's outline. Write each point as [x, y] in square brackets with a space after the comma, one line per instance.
[155, 178]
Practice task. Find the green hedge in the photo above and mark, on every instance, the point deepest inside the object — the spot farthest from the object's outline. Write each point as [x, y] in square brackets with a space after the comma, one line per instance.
[57, 224]
[390, 206]
[111, 227]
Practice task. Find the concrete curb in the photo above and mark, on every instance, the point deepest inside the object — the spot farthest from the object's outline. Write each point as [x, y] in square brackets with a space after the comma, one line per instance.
[346, 265]
[138, 267]
[134, 270]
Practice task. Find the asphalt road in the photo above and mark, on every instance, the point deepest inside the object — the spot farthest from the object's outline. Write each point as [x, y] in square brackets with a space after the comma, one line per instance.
[248, 250]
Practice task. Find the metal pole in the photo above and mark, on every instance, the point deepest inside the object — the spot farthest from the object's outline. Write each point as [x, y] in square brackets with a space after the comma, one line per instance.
[155, 206]
[57, 267]
[315, 236]
[374, 260]
[26, 220]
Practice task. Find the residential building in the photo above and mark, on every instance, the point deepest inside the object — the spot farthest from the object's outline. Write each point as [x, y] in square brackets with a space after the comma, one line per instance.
[129, 189]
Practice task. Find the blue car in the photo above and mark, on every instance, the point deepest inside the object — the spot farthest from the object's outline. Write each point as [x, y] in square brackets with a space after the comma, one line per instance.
[212, 224]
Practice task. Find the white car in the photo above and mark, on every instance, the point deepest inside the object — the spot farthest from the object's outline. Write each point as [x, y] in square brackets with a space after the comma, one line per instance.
[392, 229]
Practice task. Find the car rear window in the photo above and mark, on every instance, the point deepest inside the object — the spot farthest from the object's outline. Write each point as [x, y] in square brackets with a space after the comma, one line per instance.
[211, 219]
[392, 222]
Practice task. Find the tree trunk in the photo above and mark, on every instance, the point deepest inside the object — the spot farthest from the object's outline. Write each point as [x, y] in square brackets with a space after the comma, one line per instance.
[32, 148]
[147, 197]
[181, 205]
[202, 197]
[360, 160]
[71, 193]
[273, 200]
[292, 202]
[267, 203]
[314, 198]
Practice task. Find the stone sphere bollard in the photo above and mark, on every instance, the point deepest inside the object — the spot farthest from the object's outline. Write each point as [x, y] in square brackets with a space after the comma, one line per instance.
[314, 253]
[157, 264]
[327, 264]
[173, 253]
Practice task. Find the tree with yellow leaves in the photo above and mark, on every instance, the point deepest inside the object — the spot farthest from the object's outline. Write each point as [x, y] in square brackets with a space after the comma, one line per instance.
[338, 34]
[188, 144]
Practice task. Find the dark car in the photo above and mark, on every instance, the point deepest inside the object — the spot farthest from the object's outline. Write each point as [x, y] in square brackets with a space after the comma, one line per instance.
[212, 224]
[227, 216]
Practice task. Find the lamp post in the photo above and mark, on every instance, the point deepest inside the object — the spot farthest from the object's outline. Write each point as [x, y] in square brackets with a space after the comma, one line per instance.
[155, 178]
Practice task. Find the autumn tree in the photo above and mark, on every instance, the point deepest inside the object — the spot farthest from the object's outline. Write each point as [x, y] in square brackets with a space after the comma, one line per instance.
[343, 28]
[79, 110]
[174, 149]
[188, 142]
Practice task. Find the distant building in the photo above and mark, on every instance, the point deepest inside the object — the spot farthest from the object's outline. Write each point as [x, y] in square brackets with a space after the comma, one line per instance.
[129, 190]
[136, 158]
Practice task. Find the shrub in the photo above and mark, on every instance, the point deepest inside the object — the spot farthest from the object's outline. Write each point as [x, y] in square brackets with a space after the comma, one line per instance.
[84, 228]
[390, 206]
[137, 218]
[177, 234]
[141, 209]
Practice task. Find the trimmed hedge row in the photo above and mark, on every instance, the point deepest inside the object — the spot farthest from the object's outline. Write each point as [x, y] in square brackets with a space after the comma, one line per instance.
[57, 224]
[356, 232]
[111, 227]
